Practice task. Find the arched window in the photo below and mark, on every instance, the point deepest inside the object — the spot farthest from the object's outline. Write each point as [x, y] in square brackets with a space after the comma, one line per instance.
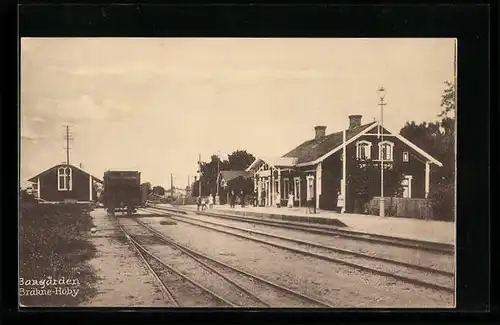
[385, 151]
[363, 150]
[64, 179]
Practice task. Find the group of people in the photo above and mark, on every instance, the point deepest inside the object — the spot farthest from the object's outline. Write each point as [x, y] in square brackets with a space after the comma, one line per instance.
[204, 203]
[234, 197]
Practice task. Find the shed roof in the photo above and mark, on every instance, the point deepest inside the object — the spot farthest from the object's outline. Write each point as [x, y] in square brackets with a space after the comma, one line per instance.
[34, 178]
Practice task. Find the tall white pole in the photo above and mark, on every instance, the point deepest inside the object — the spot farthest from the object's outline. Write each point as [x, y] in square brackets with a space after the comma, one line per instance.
[344, 171]
[199, 178]
[217, 198]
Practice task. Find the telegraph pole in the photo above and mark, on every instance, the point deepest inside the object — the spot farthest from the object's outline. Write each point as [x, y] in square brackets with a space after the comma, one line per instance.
[171, 185]
[67, 137]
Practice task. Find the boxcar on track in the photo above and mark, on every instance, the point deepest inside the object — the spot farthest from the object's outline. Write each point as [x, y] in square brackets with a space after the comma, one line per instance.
[122, 190]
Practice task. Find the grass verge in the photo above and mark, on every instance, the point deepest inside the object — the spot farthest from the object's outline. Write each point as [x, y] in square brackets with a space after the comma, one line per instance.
[54, 250]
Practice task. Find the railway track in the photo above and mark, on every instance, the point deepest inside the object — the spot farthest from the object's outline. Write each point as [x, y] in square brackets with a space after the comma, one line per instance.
[326, 230]
[409, 273]
[217, 273]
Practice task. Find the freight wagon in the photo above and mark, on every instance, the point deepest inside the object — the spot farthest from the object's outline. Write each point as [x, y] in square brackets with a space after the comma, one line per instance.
[122, 191]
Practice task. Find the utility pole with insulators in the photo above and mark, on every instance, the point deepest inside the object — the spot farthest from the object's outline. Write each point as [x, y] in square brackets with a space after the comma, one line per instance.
[67, 137]
[171, 185]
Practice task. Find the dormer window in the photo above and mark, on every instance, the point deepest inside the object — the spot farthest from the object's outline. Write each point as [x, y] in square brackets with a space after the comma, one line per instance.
[363, 150]
[64, 179]
[385, 151]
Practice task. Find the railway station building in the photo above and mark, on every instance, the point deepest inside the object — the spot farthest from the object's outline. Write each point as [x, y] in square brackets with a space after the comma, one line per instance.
[315, 170]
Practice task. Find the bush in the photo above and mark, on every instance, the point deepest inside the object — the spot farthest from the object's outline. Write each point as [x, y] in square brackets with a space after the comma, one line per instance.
[54, 243]
[443, 202]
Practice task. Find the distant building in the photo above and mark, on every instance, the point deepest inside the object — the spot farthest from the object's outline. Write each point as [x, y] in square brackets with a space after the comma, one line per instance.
[313, 170]
[64, 182]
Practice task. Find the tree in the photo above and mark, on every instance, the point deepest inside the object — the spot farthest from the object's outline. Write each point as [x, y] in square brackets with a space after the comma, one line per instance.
[448, 101]
[159, 190]
[425, 135]
[438, 139]
[98, 190]
[443, 193]
[238, 160]
[363, 181]
[26, 196]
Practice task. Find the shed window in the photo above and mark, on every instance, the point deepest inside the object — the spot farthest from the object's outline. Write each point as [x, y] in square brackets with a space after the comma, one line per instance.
[385, 150]
[363, 150]
[64, 179]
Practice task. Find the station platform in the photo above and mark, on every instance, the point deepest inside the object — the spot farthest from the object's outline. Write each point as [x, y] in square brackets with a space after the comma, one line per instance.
[426, 230]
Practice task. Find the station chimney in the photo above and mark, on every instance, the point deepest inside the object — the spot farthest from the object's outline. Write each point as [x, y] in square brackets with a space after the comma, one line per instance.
[354, 121]
[320, 131]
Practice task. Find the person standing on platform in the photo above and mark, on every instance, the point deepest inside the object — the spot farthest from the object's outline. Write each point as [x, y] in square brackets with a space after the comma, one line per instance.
[290, 201]
[198, 203]
[232, 199]
[278, 199]
[210, 201]
[204, 204]
[242, 198]
[340, 202]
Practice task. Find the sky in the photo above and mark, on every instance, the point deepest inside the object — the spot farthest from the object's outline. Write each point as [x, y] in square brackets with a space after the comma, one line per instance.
[155, 104]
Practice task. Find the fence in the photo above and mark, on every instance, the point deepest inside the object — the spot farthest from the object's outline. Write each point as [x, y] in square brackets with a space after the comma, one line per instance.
[403, 207]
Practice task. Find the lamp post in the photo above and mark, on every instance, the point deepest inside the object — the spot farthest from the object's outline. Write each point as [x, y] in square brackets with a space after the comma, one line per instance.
[381, 93]
[199, 175]
[217, 198]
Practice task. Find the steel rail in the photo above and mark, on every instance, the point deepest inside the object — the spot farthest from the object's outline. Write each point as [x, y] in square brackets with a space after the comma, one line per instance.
[208, 267]
[138, 246]
[333, 249]
[316, 255]
[375, 238]
[218, 262]
[162, 286]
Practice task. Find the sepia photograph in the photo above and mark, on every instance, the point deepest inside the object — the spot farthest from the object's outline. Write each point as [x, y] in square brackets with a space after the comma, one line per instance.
[237, 172]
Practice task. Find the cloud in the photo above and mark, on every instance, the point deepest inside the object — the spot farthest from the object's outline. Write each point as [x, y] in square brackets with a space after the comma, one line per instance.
[28, 132]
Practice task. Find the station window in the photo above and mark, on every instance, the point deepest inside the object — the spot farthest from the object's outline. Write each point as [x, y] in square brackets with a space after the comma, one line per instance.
[385, 150]
[363, 150]
[406, 156]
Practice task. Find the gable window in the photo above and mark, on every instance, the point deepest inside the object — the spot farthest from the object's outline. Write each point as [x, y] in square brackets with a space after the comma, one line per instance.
[64, 179]
[363, 150]
[385, 150]
[406, 156]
